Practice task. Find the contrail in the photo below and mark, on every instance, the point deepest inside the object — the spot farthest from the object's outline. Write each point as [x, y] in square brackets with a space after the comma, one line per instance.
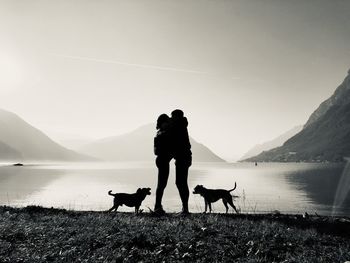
[130, 64]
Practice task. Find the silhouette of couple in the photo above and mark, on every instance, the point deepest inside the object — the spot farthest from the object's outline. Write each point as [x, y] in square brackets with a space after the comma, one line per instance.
[172, 141]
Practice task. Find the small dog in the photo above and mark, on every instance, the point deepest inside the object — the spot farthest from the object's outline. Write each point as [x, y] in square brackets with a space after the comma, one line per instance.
[213, 195]
[131, 200]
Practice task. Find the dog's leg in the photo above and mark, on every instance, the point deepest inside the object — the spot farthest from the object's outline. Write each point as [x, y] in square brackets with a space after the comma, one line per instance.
[110, 210]
[209, 204]
[206, 205]
[230, 201]
[137, 209]
[225, 204]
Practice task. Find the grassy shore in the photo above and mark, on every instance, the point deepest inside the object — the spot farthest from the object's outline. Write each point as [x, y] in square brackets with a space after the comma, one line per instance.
[36, 234]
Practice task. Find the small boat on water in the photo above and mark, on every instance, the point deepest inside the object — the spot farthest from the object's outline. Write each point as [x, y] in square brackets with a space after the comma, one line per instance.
[18, 164]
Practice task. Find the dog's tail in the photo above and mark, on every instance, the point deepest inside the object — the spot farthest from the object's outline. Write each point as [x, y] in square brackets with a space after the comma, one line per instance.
[110, 193]
[233, 188]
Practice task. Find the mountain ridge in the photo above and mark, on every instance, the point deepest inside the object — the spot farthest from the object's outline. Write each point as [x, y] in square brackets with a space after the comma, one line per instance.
[268, 145]
[335, 99]
[31, 143]
[138, 145]
[325, 136]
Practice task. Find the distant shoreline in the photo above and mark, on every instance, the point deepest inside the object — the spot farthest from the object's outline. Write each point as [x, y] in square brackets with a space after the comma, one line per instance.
[35, 163]
[335, 162]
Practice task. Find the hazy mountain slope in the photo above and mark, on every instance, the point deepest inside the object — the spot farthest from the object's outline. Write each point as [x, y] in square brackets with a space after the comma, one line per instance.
[31, 143]
[339, 97]
[325, 137]
[8, 153]
[69, 140]
[259, 148]
[138, 146]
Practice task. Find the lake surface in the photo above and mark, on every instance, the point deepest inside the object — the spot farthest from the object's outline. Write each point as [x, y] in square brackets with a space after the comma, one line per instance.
[288, 188]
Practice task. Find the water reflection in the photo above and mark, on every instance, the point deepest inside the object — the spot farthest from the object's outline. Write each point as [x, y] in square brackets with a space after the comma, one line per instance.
[261, 189]
[16, 183]
[292, 188]
[320, 184]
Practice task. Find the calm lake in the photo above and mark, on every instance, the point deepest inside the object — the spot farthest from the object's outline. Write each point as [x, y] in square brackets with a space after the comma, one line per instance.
[288, 188]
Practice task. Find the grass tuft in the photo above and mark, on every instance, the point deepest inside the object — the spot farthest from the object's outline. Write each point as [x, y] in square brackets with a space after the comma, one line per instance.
[36, 234]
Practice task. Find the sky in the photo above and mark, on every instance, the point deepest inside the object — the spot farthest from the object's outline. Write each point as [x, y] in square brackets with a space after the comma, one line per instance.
[242, 71]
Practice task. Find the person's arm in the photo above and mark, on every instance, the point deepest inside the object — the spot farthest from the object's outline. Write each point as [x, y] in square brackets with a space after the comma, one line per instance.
[187, 137]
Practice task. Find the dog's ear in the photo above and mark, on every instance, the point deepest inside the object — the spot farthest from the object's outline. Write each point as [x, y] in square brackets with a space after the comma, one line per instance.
[138, 190]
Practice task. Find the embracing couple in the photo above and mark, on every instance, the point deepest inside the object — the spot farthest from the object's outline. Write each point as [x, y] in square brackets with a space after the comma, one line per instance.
[172, 142]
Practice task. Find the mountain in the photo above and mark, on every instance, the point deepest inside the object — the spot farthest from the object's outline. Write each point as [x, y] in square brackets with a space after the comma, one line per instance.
[8, 153]
[324, 137]
[20, 141]
[138, 146]
[338, 98]
[259, 148]
[69, 140]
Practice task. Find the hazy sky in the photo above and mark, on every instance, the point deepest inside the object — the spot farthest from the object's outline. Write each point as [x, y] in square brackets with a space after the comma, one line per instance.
[243, 71]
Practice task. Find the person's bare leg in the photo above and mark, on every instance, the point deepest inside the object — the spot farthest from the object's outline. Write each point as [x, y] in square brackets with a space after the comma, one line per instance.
[163, 175]
[182, 185]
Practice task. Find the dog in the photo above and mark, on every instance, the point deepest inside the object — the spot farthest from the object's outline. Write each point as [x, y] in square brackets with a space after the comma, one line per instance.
[213, 195]
[130, 200]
